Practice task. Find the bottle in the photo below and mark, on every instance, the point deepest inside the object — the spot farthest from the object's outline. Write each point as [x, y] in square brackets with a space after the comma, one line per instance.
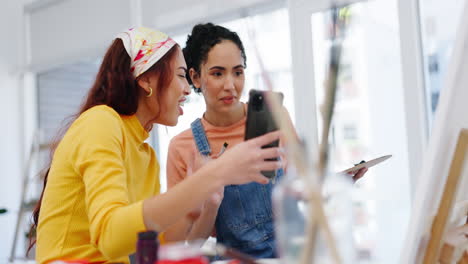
[147, 247]
[291, 208]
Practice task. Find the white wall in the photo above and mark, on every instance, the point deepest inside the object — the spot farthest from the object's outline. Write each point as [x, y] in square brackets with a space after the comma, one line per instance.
[65, 31]
[11, 119]
[172, 16]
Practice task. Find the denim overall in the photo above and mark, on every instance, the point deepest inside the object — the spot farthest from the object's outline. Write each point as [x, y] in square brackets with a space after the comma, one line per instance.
[245, 216]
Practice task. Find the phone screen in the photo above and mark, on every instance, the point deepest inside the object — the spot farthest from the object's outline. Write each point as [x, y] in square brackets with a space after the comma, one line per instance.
[260, 120]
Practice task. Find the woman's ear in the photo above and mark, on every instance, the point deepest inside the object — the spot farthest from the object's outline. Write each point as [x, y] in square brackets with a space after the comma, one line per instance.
[145, 83]
[195, 77]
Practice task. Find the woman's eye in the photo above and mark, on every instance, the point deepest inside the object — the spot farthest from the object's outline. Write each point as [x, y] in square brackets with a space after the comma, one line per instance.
[182, 75]
[239, 73]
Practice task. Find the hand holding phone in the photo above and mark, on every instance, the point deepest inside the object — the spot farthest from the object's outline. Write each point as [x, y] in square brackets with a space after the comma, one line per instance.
[260, 120]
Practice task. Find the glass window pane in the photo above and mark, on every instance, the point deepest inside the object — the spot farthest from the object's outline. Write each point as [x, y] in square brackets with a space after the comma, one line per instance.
[439, 23]
[368, 121]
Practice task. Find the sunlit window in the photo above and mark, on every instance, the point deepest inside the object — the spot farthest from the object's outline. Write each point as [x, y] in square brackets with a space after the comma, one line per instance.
[439, 24]
[271, 31]
[367, 109]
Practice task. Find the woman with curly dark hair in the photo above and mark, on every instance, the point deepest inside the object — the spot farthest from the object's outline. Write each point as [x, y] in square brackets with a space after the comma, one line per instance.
[240, 214]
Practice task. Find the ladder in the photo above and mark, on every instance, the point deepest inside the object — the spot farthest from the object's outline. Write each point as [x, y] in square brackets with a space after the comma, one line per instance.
[25, 205]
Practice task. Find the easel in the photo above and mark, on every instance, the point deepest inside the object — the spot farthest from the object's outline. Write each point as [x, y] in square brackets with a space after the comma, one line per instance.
[435, 249]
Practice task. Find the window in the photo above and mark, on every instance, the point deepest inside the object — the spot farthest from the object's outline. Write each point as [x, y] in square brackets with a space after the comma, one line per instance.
[60, 93]
[368, 121]
[439, 23]
[272, 39]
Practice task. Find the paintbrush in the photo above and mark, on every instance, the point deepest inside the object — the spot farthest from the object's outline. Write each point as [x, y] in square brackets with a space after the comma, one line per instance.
[297, 154]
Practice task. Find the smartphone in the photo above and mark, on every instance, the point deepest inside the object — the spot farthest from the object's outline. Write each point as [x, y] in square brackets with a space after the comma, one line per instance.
[260, 120]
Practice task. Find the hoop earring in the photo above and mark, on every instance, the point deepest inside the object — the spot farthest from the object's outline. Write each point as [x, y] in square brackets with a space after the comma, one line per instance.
[150, 92]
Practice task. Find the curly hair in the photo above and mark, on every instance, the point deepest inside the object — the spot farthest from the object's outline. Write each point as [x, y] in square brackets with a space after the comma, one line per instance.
[202, 39]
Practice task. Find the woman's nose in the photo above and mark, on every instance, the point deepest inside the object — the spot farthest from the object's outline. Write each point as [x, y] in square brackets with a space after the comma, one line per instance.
[187, 89]
[229, 83]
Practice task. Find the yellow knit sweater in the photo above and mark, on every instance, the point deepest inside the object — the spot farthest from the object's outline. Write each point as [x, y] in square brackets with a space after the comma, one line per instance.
[101, 172]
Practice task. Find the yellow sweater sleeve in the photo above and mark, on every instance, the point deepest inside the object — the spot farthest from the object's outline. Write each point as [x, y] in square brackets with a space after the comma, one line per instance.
[98, 156]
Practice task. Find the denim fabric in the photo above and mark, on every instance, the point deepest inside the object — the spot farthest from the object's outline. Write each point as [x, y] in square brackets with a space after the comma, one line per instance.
[200, 137]
[245, 216]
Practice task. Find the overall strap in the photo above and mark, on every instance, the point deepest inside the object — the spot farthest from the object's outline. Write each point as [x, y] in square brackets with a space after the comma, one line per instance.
[199, 136]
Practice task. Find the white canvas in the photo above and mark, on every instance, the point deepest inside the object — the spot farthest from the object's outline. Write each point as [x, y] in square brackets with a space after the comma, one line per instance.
[451, 116]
